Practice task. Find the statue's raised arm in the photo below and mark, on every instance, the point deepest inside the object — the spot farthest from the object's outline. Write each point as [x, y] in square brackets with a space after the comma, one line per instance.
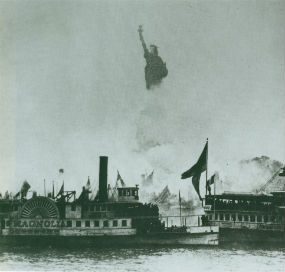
[140, 30]
[155, 69]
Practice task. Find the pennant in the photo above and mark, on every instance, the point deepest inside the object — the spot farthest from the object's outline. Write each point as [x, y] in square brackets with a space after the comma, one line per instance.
[60, 192]
[88, 184]
[119, 178]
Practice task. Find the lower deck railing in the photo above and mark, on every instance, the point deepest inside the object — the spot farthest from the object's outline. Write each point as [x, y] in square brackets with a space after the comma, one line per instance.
[247, 225]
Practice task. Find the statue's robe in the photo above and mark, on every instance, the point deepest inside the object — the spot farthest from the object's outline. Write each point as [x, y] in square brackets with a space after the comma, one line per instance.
[155, 69]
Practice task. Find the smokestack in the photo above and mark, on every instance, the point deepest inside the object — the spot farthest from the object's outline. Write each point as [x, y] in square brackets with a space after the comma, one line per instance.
[103, 173]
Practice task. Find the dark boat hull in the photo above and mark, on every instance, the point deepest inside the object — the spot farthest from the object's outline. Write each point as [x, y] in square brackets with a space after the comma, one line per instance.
[162, 239]
[249, 236]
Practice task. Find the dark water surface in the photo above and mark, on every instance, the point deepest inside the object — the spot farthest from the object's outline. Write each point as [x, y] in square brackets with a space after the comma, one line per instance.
[174, 259]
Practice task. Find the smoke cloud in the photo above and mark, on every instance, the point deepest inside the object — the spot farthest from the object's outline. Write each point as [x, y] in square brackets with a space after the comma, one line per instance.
[73, 89]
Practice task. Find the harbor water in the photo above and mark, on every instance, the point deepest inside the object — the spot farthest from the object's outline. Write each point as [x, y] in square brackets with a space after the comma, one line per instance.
[172, 259]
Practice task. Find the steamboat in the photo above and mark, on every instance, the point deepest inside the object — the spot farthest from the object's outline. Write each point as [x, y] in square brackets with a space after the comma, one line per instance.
[248, 217]
[67, 220]
[242, 217]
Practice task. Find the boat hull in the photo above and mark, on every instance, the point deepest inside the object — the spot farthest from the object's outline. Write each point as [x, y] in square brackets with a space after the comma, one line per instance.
[251, 236]
[161, 239]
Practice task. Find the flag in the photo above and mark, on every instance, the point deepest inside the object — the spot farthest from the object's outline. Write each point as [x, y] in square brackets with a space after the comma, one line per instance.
[196, 170]
[209, 183]
[282, 174]
[211, 180]
[25, 188]
[17, 195]
[200, 166]
[196, 183]
[164, 195]
[150, 177]
[147, 179]
[61, 170]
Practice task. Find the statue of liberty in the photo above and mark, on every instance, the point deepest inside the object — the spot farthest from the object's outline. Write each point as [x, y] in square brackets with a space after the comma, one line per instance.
[155, 69]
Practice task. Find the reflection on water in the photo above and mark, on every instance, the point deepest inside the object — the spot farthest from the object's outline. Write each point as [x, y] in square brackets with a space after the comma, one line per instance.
[142, 259]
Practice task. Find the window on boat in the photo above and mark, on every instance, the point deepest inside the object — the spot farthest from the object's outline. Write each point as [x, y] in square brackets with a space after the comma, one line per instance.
[221, 216]
[106, 223]
[97, 208]
[92, 208]
[272, 218]
[227, 217]
[96, 223]
[259, 218]
[246, 218]
[124, 223]
[87, 223]
[120, 192]
[73, 208]
[216, 216]
[233, 217]
[265, 218]
[103, 208]
[78, 223]
[252, 218]
[69, 223]
[239, 217]
[115, 223]
[210, 217]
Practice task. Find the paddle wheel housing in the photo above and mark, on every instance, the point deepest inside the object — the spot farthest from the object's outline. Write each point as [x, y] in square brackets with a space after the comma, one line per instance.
[39, 207]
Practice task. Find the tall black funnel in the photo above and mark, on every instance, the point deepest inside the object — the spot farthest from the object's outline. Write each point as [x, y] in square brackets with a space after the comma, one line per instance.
[103, 174]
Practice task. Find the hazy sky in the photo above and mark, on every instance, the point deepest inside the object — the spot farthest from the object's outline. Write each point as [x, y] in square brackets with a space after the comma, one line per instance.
[72, 88]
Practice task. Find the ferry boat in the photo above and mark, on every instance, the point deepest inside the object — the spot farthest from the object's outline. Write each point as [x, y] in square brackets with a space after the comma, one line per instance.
[102, 221]
[247, 217]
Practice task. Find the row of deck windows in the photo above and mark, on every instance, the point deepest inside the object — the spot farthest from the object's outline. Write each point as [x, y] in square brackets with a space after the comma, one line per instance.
[127, 192]
[242, 217]
[96, 223]
[96, 208]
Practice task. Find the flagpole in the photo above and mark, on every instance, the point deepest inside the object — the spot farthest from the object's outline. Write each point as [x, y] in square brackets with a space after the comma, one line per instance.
[180, 207]
[53, 189]
[45, 187]
[206, 169]
[214, 199]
